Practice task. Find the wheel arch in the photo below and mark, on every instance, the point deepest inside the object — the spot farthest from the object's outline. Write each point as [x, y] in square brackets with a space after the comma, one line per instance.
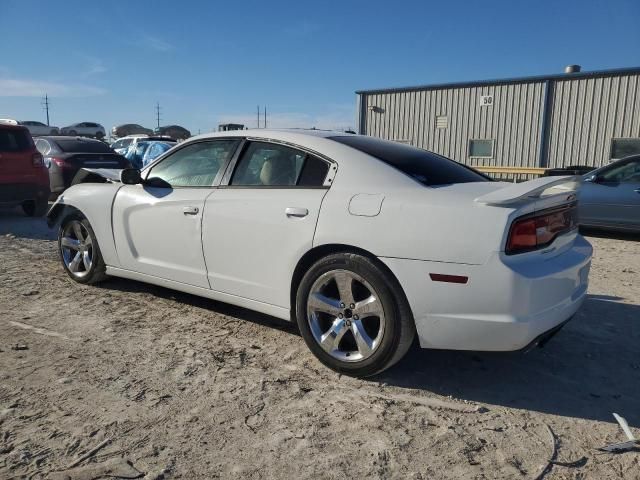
[320, 251]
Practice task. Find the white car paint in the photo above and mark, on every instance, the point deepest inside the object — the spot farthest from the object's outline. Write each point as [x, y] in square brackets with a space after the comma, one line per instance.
[39, 128]
[87, 129]
[242, 247]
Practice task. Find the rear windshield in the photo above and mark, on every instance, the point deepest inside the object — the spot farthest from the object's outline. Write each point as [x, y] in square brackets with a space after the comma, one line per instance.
[14, 140]
[425, 167]
[83, 146]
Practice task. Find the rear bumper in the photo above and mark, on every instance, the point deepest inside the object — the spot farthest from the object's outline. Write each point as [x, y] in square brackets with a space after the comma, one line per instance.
[16, 193]
[506, 303]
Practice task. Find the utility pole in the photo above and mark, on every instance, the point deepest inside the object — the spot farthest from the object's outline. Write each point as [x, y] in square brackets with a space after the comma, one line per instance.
[265, 116]
[258, 116]
[158, 114]
[45, 106]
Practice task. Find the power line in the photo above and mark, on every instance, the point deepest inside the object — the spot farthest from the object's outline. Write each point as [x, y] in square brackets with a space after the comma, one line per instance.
[158, 114]
[45, 106]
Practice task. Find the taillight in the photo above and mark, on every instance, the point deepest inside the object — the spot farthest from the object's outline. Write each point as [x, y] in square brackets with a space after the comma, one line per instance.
[37, 160]
[538, 230]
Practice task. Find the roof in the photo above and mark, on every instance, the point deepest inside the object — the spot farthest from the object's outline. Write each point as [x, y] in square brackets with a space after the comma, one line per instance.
[277, 134]
[503, 81]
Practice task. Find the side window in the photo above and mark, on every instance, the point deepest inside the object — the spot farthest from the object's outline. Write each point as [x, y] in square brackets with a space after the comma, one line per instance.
[195, 165]
[627, 173]
[268, 164]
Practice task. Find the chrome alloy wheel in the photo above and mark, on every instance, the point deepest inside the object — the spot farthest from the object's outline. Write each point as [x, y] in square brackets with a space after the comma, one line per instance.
[345, 315]
[76, 248]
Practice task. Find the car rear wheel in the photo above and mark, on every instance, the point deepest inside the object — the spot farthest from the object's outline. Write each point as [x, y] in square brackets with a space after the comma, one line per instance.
[79, 250]
[99, 135]
[73, 133]
[353, 315]
[35, 208]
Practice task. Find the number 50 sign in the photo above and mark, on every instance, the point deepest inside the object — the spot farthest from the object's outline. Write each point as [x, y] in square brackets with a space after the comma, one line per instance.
[486, 100]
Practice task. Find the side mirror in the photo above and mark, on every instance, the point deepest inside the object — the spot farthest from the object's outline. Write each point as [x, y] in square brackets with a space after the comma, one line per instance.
[593, 178]
[130, 176]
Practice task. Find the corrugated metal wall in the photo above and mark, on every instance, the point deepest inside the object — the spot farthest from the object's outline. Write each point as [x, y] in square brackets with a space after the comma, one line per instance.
[587, 114]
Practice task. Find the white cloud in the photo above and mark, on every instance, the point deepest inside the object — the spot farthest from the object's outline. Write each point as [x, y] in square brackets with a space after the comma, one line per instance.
[94, 66]
[20, 87]
[341, 119]
[155, 43]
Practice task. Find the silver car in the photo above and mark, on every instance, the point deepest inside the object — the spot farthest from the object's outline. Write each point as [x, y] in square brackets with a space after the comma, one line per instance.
[610, 196]
[84, 129]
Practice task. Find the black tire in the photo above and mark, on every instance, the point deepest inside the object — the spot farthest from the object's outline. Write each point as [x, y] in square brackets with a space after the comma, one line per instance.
[97, 271]
[399, 327]
[36, 208]
[99, 135]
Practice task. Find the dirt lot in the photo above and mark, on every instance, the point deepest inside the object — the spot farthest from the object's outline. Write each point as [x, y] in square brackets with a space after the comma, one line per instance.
[168, 385]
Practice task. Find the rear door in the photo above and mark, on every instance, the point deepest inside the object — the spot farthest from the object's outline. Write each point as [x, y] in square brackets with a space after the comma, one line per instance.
[16, 156]
[157, 225]
[613, 198]
[258, 225]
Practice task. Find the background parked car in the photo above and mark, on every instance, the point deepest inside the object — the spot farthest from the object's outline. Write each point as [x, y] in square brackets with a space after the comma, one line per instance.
[84, 129]
[127, 129]
[39, 128]
[173, 131]
[570, 170]
[610, 196]
[24, 179]
[122, 145]
[144, 152]
[64, 156]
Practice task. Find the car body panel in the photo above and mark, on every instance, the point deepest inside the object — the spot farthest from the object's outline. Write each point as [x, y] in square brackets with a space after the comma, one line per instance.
[612, 203]
[20, 179]
[142, 215]
[254, 221]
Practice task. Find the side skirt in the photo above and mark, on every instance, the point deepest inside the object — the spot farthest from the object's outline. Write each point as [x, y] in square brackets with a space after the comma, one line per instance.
[268, 309]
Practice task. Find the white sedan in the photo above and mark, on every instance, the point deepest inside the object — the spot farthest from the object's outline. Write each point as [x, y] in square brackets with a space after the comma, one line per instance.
[363, 242]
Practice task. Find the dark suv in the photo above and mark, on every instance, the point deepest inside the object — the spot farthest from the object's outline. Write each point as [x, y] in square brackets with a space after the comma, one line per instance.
[24, 179]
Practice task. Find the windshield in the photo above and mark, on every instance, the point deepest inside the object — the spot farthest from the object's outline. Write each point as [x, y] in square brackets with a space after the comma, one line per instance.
[428, 168]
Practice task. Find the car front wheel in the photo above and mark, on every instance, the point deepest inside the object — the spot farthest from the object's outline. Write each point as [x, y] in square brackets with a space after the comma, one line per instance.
[353, 315]
[79, 250]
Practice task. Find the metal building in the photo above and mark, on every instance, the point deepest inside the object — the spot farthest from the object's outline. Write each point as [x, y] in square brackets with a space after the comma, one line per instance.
[575, 118]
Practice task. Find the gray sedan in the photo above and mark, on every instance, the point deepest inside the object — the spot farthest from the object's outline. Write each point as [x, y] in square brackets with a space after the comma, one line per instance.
[610, 196]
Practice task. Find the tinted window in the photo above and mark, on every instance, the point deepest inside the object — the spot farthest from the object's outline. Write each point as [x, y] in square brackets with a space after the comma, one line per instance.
[624, 172]
[481, 148]
[195, 165]
[14, 140]
[268, 164]
[623, 147]
[425, 167]
[84, 146]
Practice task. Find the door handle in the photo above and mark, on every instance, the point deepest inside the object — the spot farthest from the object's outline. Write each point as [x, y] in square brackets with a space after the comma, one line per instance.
[296, 212]
[190, 210]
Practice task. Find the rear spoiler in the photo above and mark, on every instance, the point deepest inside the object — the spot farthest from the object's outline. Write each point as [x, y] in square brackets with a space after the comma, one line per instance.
[533, 189]
[97, 175]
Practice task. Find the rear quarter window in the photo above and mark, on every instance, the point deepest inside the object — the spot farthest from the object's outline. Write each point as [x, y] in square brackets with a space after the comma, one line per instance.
[426, 167]
[14, 140]
[83, 146]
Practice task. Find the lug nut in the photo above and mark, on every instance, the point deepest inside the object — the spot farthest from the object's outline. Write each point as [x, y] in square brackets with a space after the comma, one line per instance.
[355, 317]
[341, 305]
[352, 306]
[340, 315]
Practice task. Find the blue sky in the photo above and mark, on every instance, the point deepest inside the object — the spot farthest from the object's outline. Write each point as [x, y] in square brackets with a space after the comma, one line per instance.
[208, 62]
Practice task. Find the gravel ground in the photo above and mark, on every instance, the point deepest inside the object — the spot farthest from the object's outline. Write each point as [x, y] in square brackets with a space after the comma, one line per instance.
[154, 383]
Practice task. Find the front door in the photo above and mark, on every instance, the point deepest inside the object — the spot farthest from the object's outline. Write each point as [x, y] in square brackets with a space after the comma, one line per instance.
[256, 228]
[158, 225]
[613, 198]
